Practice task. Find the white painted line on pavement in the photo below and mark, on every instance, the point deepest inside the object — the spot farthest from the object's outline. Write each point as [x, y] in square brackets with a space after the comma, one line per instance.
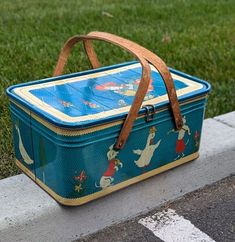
[171, 227]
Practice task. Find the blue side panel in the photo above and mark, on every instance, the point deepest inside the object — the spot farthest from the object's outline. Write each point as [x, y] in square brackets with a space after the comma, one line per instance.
[77, 166]
[48, 158]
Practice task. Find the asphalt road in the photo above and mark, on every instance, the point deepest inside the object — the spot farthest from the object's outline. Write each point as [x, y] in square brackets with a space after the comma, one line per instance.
[210, 209]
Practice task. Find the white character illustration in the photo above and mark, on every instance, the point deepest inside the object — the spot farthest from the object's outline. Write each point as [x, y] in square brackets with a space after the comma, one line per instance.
[23, 152]
[180, 143]
[147, 153]
[107, 178]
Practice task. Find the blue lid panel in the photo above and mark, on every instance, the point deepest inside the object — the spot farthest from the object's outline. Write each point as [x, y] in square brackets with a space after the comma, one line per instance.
[100, 96]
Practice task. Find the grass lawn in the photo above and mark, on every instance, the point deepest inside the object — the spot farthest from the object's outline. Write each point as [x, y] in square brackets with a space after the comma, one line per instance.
[197, 37]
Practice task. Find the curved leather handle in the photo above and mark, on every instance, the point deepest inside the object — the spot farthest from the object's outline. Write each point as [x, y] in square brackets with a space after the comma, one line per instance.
[152, 58]
[142, 88]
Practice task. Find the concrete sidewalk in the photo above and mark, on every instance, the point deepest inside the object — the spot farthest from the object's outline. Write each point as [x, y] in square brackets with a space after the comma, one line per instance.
[28, 214]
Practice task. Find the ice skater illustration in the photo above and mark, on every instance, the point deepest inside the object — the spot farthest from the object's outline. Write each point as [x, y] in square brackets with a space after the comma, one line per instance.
[147, 153]
[22, 150]
[180, 143]
[114, 164]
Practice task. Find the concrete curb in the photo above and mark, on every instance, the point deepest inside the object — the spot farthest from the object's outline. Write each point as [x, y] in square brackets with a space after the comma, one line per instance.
[29, 214]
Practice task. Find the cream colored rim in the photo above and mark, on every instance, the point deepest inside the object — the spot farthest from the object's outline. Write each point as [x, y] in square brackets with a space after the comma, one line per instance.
[88, 198]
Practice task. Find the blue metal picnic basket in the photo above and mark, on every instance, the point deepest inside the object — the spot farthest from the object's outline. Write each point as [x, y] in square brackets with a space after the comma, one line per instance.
[84, 135]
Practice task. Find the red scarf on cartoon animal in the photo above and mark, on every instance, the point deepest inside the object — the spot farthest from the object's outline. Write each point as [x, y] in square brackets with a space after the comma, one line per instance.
[112, 168]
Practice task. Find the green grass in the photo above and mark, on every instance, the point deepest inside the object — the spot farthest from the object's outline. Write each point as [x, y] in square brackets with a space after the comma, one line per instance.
[196, 37]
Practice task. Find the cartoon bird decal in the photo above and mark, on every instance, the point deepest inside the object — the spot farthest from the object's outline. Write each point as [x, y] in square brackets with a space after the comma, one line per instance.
[147, 153]
[22, 150]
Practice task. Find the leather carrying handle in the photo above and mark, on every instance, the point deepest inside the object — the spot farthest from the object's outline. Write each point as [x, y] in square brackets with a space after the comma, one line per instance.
[142, 54]
[142, 88]
[152, 58]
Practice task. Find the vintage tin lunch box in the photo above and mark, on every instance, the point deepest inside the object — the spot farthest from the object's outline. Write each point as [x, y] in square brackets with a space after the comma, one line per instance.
[84, 135]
